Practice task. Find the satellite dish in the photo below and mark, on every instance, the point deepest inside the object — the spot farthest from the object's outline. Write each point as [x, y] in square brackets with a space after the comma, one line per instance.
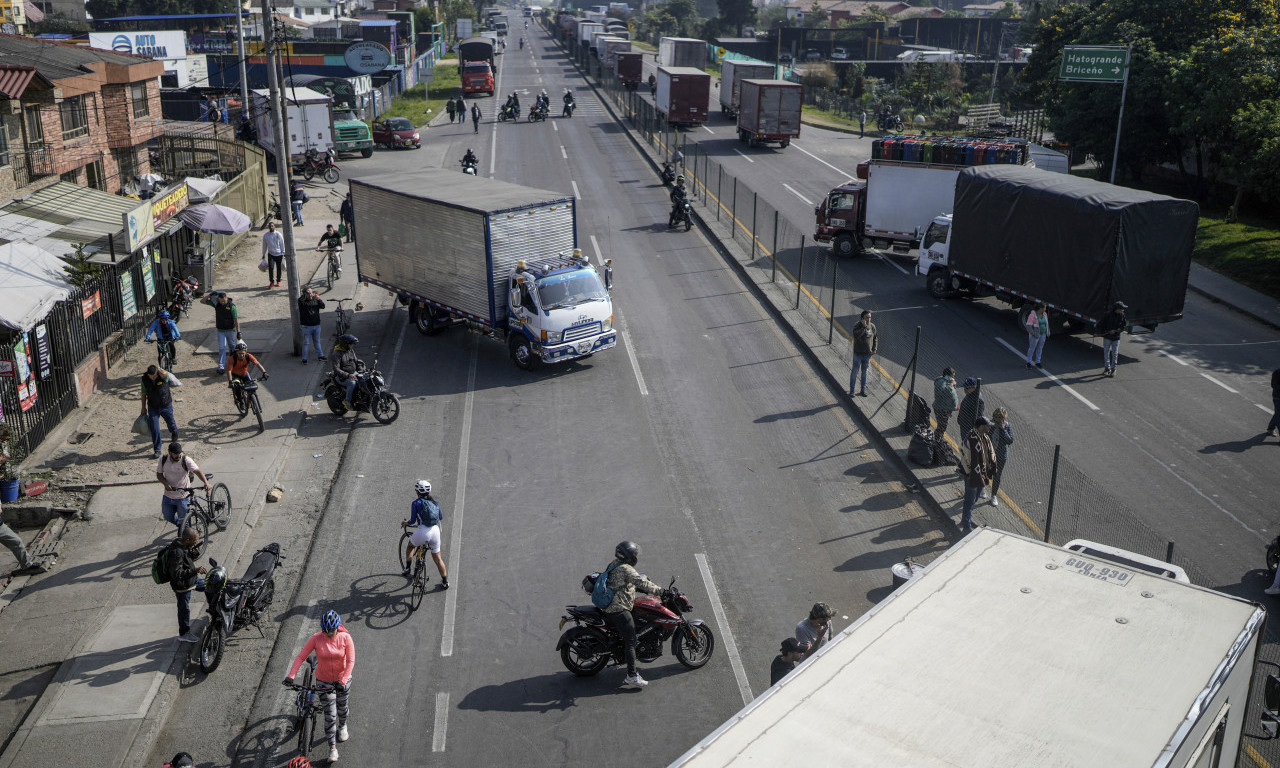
[9, 28]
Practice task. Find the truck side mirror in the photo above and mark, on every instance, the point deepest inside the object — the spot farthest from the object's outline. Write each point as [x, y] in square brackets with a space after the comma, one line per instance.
[608, 275]
[1269, 720]
[513, 299]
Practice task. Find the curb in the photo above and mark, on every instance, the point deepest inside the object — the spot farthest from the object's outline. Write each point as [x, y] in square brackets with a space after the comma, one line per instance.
[1241, 310]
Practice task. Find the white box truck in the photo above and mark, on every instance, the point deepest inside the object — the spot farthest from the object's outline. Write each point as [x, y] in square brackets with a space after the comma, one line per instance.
[732, 73]
[309, 121]
[1010, 652]
[496, 257]
[682, 52]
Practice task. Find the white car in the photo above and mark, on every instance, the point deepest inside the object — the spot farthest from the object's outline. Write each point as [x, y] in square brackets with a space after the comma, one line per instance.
[839, 54]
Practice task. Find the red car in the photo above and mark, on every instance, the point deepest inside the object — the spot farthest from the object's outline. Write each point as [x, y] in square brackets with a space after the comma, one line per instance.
[396, 132]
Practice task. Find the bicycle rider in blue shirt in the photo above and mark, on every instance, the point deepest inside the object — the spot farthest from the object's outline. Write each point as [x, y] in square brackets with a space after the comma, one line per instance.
[425, 517]
[165, 330]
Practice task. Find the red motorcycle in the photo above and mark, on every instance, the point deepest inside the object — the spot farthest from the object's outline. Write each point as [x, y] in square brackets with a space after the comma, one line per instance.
[314, 163]
[592, 644]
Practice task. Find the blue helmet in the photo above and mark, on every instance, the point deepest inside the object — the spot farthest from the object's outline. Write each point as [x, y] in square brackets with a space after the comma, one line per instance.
[164, 314]
[330, 621]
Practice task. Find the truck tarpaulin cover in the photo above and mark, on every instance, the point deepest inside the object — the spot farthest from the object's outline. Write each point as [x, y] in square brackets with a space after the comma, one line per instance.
[1078, 244]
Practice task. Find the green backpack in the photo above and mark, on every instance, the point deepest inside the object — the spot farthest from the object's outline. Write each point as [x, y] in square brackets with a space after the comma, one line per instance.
[160, 567]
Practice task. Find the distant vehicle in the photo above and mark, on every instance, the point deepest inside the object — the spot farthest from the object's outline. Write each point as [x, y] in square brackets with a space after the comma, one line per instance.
[840, 54]
[785, 58]
[396, 132]
[813, 54]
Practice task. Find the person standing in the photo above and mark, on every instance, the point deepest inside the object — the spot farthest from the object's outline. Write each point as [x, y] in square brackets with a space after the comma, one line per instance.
[347, 214]
[451, 108]
[862, 124]
[475, 117]
[1109, 328]
[226, 321]
[815, 631]
[425, 517]
[789, 655]
[979, 464]
[1001, 438]
[309, 306]
[945, 400]
[157, 403]
[1037, 332]
[184, 577]
[335, 661]
[174, 472]
[460, 107]
[971, 407]
[297, 196]
[14, 542]
[1275, 403]
[273, 252]
[865, 344]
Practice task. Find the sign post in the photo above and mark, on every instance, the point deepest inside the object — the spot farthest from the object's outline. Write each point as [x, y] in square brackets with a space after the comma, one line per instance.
[1099, 64]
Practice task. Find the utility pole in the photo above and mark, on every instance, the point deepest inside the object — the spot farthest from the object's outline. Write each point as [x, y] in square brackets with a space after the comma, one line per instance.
[240, 54]
[283, 163]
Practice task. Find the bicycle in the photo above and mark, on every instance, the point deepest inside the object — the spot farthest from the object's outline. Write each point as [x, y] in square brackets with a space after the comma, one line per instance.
[214, 508]
[335, 264]
[306, 707]
[244, 391]
[164, 352]
[418, 576]
[344, 317]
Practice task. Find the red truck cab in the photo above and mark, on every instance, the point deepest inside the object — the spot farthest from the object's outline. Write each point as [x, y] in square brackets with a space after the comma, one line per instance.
[477, 77]
[840, 216]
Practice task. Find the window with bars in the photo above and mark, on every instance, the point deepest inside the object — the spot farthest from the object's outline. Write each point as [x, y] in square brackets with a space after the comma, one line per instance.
[126, 163]
[140, 106]
[4, 145]
[75, 118]
[35, 128]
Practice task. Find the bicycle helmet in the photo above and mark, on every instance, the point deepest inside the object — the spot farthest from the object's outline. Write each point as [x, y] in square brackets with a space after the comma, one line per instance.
[163, 315]
[423, 487]
[241, 345]
[299, 762]
[330, 621]
[628, 552]
[182, 760]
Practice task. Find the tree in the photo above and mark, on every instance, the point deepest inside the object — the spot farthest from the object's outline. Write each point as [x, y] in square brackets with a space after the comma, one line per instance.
[816, 16]
[737, 14]
[57, 23]
[773, 17]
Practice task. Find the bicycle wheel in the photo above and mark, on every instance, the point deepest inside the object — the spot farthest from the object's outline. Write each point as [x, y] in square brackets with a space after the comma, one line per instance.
[197, 518]
[419, 583]
[306, 724]
[241, 406]
[220, 505]
[331, 276]
[400, 550]
[257, 410]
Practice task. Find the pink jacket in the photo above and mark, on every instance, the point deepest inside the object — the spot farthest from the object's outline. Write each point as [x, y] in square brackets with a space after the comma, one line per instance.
[334, 658]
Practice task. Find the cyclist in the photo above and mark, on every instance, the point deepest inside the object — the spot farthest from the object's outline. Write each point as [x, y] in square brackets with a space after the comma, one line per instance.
[174, 472]
[425, 516]
[166, 332]
[625, 581]
[346, 366]
[335, 659]
[238, 365]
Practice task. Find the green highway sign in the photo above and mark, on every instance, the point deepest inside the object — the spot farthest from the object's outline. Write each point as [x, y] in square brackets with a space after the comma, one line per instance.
[1094, 64]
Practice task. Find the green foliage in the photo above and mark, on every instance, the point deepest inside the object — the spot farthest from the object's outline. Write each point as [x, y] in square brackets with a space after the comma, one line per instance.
[80, 271]
[57, 23]
[816, 16]
[773, 17]
[735, 14]
[105, 9]
[444, 85]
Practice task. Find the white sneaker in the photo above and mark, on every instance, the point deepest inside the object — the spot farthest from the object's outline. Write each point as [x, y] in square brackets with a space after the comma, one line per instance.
[333, 754]
[634, 682]
[1271, 591]
[342, 734]
[995, 502]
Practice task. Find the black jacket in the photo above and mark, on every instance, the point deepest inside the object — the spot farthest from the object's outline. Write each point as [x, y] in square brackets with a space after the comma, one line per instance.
[1110, 326]
[971, 407]
[182, 569]
[1275, 384]
[309, 310]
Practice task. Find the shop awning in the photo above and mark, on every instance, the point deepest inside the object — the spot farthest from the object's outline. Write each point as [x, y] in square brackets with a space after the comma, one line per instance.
[203, 190]
[58, 217]
[32, 280]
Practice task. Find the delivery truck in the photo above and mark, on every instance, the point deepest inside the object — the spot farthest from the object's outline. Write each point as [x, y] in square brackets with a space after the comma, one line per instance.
[309, 121]
[683, 95]
[732, 73]
[585, 31]
[495, 257]
[612, 46]
[630, 68]
[907, 182]
[682, 52]
[1025, 236]
[476, 65]
[769, 111]
[1007, 652]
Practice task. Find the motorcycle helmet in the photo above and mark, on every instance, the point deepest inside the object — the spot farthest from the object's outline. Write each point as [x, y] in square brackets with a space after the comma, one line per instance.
[680, 179]
[163, 315]
[182, 760]
[628, 552]
[347, 341]
[330, 621]
[241, 346]
[215, 581]
[423, 487]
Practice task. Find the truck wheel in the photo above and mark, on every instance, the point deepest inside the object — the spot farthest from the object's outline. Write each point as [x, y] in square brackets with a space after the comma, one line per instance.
[846, 246]
[742, 135]
[939, 283]
[522, 352]
[425, 318]
[784, 144]
[367, 152]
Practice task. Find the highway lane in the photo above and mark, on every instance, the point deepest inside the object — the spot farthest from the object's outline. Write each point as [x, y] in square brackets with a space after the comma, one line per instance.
[705, 436]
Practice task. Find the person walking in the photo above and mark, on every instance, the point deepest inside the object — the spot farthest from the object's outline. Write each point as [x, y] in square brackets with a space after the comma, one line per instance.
[866, 342]
[174, 472]
[978, 463]
[26, 563]
[451, 108]
[273, 252]
[945, 401]
[1037, 331]
[460, 107]
[862, 124]
[226, 321]
[1275, 403]
[335, 661]
[347, 215]
[1109, 328]
[788, 657]
[971, 407]
[425, 516]
[1001, 439]
[475, 117]
[309, 306]
[184, 577]
[297, 196]
[157, 403]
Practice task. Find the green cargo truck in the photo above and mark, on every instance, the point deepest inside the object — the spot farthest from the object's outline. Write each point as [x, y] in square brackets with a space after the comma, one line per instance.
[350, 132]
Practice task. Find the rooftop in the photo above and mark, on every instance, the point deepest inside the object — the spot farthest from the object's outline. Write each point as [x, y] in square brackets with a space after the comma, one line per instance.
[57, 61]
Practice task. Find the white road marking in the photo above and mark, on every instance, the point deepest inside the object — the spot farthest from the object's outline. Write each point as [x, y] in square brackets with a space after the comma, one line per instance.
[804, 199]
[555, 127]
[441, 723]
[1215, 381]
[1265, 408]
[1175, 359]
[880, 255]
[631, 353]
[824, 162]
[576, 196]
[1050, 376]
[708, 130]
[459, 505]
[563, 154]
[749, 160]
[395, 358]
[493, 138]
[726, 634]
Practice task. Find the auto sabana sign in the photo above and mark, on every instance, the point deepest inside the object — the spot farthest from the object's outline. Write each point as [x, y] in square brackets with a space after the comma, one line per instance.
[164, 44]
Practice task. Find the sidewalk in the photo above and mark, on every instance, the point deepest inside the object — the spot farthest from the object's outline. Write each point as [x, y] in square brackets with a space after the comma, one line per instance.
[92, 668]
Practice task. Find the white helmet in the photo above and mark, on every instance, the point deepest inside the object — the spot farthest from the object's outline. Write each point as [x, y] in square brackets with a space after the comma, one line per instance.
[423, 487]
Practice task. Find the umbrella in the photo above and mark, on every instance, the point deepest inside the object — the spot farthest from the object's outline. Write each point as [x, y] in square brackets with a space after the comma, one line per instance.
[215, 219]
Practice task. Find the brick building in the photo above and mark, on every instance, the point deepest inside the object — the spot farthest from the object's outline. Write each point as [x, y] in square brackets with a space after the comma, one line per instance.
[75, 114]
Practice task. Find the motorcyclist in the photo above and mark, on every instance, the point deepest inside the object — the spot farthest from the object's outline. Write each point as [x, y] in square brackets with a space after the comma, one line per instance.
[624, 580]
[678, 198]
[568, 103]
[470, 159]
[346, 365]
[522, 43]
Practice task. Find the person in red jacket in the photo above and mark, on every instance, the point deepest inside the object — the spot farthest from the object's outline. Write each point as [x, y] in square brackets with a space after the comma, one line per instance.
[335, 658]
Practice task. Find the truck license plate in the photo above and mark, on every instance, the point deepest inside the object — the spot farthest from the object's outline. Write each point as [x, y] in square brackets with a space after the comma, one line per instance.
[584, 347]
[1108, 573]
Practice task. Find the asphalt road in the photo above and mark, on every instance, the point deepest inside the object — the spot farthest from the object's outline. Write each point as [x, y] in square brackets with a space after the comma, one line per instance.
[705, 436]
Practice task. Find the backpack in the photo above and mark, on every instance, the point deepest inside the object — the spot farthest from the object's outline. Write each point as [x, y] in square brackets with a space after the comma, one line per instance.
[601, 593]
[160, 567]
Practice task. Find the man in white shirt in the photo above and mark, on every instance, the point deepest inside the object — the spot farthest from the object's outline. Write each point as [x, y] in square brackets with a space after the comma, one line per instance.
[815, 631]
[174, 473]
[273, 252]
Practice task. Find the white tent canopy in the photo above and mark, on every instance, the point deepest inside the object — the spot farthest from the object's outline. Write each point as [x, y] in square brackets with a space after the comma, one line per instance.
[32, 280]
[203, 190]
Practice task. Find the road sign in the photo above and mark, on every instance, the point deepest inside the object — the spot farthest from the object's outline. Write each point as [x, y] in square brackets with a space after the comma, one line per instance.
[1094, 63]
[720, 54]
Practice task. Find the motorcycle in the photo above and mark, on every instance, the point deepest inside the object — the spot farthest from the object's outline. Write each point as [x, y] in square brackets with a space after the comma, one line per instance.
[370, 395]
[318, 163]
[891, 123]
[682, 213]
[236, 603]
[569, 106]
[668, 173]
[468, 167]
[508, 113]
[1273, 556]
[538, 113]
[592, 644]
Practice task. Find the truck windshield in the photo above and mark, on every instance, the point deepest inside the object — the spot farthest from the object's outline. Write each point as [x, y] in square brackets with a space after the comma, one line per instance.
[840, 202]
[345, 114]
[937, 233]
[570, 289]
[476, 69]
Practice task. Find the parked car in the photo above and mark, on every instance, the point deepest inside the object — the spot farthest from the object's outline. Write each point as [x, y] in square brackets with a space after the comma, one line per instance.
[840, 54]
[784, 58]
[813, 54]
[396, 132]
